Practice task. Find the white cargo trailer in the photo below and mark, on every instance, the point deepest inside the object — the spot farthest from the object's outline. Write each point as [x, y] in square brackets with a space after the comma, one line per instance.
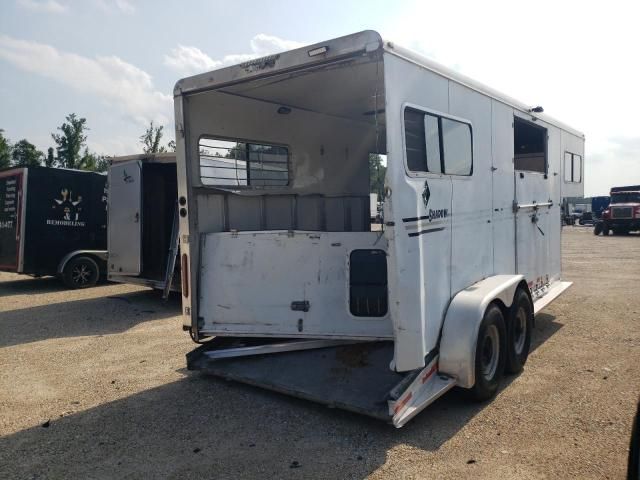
[280, 264]
[142, 238]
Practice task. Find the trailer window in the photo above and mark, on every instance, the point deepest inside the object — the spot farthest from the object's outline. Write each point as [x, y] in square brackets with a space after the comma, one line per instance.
[456, 140]
[432, 137]
[529, 146]
[415, 144]
[572, 167]
[368, 283]
[233, 163]
[437, 144]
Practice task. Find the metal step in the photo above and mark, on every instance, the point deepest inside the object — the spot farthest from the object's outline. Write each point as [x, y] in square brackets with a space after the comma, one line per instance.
[554, 291]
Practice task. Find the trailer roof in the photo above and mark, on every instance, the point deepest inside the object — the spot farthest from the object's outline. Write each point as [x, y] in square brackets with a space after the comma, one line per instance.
[42, 167]
[331, 50]
[166, 157]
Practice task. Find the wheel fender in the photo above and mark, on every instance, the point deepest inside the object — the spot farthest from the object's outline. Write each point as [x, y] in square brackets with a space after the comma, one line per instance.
[100, 254]
[462, 324]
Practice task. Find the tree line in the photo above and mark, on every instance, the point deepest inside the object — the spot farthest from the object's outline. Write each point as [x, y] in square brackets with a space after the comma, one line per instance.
[70, 150]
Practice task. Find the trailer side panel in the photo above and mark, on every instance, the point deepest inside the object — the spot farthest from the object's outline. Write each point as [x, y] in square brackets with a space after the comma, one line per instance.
[65, 211]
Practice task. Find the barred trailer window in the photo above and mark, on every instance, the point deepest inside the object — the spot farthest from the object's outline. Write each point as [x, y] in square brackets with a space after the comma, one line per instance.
[231, 163]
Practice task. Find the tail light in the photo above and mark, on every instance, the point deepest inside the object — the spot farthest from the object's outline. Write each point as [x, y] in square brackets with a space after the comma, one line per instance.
[637, 211]
[185, 274]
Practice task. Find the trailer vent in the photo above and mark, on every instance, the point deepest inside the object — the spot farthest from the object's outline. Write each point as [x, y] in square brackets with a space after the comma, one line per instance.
[368, 283]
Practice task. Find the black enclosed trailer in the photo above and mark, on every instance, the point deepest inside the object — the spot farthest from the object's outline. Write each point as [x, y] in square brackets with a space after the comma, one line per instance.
[143, 229]
[53, 221]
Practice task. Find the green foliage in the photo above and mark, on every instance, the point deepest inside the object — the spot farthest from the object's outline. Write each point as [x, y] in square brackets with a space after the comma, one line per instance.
[151, 139]
[50, 160]
[25, 154]
[171, 146]
[70, 142]
[377, 172]
[5, 150]
[94, 162]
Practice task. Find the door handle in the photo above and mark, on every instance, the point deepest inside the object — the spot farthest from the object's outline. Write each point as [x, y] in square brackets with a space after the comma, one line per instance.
[137, 217]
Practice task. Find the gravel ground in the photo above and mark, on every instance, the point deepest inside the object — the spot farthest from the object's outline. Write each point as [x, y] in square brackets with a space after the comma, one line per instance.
[93, 385]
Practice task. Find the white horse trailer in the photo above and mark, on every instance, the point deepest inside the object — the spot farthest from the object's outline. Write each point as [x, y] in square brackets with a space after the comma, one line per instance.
[142, 238]
[280, 264]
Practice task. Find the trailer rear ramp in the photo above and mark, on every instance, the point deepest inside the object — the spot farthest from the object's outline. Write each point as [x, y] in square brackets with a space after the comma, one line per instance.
[354, 377]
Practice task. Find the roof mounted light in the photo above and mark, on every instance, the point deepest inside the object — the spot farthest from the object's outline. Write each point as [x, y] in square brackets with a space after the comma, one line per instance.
[318, 51]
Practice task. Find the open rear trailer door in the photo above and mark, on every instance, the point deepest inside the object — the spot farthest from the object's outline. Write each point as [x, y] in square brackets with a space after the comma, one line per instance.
[125, 218]
[11, 208]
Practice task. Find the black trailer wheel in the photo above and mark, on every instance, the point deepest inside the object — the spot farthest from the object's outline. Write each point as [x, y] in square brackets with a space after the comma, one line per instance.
[597, 228]
[519, 332]
[490, 354]
[81, 272]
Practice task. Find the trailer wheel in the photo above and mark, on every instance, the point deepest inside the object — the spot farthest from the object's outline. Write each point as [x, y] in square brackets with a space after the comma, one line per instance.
[490, 354]
[519, 332]
[80, 272]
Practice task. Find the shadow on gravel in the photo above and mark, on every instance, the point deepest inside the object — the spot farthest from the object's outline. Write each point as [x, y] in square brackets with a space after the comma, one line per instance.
[202, 427]
[546, 327]
[30, 286]
[97, 316]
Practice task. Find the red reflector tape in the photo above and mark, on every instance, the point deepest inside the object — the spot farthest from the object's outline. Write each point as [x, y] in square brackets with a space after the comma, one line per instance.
[402, 403]
[431, 371]
[185, 275]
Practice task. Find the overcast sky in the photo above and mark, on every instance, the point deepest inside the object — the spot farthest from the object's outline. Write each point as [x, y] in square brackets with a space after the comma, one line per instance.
[115, 61]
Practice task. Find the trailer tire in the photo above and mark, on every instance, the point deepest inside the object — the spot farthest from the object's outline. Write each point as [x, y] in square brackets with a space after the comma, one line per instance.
[519, 331]
[80, 272]
[490, 354]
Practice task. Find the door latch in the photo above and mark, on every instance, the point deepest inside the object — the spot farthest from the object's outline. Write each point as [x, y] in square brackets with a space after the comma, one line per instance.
[534, 220]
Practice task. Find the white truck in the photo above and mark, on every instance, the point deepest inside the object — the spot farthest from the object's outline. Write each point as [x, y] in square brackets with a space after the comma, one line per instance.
[280, 268]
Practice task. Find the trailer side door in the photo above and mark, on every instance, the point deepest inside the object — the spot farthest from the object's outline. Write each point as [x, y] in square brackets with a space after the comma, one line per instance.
[125, 218]
[537, 168]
